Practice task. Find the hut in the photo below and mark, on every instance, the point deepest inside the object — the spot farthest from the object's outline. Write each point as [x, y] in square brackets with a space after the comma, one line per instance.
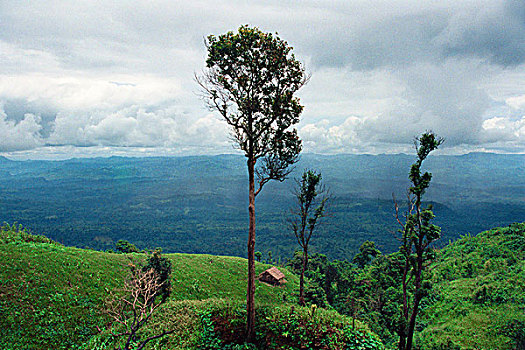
[272, 276]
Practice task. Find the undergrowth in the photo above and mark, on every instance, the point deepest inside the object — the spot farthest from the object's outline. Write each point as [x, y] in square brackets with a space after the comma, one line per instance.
[284, 327]
[17, 233]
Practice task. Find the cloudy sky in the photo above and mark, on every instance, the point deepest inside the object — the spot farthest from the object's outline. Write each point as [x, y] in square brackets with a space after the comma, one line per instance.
[107, 77]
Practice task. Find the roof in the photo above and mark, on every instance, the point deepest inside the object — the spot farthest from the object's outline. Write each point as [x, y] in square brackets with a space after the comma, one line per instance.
[275, 273]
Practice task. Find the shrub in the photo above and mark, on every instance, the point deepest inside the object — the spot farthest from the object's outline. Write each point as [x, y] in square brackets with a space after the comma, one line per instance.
[18, 233]
[283, 328]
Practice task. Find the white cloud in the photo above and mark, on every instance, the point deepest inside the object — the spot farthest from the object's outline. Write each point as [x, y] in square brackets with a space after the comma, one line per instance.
[517, 102]
[120, 74]
[136, 127]
[500, 129]
[19, 136]
[74, 92]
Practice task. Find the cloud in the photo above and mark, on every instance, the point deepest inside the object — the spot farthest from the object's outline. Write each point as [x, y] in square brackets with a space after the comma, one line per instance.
[19, 136]
[494, 31]
[81, 92]
[137, 127]
[120, 74]
[500, 129]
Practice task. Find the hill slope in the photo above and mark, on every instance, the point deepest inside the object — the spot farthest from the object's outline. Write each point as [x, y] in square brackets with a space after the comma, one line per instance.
[478, 293]
[52, 296]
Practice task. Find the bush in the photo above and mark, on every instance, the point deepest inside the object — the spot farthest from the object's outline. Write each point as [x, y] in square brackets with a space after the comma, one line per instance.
[283, 328]
[125, 247]
[18, 233]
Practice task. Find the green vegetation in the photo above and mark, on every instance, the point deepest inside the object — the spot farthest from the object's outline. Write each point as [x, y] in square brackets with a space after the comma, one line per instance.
[309, 214]
[50, 294]
[478, 294]
[53, 296]
[418, 234]
[180, 203]
[471, 295]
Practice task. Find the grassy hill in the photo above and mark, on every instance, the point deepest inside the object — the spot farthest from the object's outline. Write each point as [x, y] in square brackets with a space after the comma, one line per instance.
[478, 299]
[52, 297]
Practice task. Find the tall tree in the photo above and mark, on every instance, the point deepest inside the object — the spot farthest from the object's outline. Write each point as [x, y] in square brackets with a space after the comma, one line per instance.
[311, 199]
[250, 79]
[417, 235]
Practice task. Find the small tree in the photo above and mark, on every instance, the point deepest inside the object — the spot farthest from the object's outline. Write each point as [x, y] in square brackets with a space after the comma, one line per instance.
[162, 267]
[417, 235]
[367, 252]
[138, 300]
[311, 199]
[251, 79]
[125, 247]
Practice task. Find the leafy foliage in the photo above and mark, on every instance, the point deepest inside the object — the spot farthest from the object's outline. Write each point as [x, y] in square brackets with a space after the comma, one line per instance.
[125, 247]
[18, 233]
[251, 79]
[417, 235]
[478, 295]
[367, 252]
[285, 327]
[311, 204]
[162, 267]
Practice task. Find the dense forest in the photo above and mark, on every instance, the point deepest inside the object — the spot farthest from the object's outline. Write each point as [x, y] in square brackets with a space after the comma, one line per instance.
[199, 204]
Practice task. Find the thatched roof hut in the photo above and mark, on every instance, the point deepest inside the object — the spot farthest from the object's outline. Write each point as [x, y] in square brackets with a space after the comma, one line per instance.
[272, 276]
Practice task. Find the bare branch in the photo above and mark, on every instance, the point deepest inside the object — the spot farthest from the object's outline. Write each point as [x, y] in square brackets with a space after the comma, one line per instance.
[135, 303]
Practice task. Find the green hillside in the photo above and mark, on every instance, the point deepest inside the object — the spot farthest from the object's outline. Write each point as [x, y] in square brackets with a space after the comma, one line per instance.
[51, 297]
[478, 299]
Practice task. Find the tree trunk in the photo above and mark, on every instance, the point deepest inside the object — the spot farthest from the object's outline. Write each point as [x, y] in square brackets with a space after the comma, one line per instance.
[301, 281]
[402, 342]
[250, 298]
[417, 299]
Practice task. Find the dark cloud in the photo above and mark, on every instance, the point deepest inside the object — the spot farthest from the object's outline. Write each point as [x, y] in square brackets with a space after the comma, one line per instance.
[496, 33]
[120, 73]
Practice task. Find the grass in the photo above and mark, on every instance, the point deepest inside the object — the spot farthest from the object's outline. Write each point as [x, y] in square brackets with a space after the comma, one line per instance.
[479, 293]
[52, 296]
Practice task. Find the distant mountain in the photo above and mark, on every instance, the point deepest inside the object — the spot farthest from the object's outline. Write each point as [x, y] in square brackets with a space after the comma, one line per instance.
[198, 204]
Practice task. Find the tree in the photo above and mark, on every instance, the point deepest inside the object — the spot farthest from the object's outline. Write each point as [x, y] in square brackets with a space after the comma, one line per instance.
[367, 252]
[311, 199]
[125, 247]
[162, 267]
[135, 305]
[250, 79]
[417, 235]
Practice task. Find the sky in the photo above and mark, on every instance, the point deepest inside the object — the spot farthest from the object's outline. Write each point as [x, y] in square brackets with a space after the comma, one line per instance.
[101, 78]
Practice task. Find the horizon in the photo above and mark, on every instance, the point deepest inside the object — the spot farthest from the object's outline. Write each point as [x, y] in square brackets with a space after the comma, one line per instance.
[65, 157]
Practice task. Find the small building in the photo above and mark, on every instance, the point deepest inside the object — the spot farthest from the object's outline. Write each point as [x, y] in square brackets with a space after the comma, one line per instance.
[272, 276]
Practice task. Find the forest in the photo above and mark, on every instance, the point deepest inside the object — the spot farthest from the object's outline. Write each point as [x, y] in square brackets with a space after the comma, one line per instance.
[198, 204]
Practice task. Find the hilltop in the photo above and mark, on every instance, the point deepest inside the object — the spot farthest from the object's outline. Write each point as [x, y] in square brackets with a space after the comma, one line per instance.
[478, 295]
[52, 296]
